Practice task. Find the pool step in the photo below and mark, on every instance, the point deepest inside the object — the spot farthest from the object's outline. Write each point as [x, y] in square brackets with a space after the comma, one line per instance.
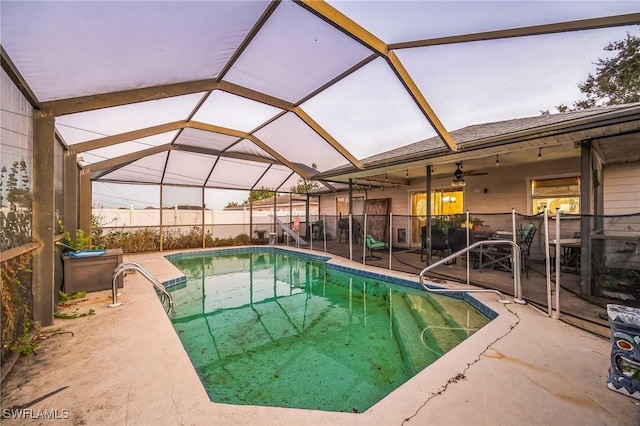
[407, 331]
[438, 325]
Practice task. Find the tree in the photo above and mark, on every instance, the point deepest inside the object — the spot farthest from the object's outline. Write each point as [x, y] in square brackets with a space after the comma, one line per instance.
[617, 79]
[259, 194]
[305, 186]
[231, 204]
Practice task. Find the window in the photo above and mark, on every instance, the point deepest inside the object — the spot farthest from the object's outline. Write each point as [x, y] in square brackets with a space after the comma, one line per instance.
[342, 204]
[443, 203]
[562, 193]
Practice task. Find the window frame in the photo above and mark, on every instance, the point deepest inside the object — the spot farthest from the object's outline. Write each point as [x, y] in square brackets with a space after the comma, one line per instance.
[531, 198]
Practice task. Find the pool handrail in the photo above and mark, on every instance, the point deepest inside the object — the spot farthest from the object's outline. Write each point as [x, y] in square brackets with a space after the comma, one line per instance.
[133, 266]
[516, 272]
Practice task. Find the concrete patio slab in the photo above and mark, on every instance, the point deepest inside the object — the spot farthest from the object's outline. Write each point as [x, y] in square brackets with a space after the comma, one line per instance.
[126, 365]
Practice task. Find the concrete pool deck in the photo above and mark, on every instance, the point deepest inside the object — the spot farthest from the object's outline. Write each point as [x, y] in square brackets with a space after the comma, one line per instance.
[126, 365]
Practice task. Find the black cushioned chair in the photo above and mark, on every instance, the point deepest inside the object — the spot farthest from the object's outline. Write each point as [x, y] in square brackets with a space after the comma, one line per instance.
[438, 242]
[456, 240]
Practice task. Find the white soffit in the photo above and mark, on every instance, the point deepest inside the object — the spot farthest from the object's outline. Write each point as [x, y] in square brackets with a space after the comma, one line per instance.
[396, 22]
[296, 47]
[369, 112]
[77, 48]
[539, 67]
[234, 112]
[90, 125]
[298, 143]
[186, 168]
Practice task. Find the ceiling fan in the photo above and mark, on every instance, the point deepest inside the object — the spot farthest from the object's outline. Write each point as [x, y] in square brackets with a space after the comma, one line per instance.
[459, 174]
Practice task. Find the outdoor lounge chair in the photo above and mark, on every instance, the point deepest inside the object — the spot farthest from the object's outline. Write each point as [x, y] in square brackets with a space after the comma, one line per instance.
[372, 245]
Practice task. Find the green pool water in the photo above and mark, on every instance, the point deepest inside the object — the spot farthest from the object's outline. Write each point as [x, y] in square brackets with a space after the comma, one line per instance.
[278, 329]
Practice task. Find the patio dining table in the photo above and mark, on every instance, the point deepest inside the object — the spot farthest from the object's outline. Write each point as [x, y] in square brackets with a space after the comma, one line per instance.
[569, 253]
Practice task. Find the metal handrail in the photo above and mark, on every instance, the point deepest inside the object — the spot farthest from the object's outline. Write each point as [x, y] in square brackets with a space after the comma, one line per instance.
[516, 272]
[133, 266]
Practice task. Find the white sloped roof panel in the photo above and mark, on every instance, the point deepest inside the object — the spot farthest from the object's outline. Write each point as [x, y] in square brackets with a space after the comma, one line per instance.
[369, 112]
[221, 109]
[275, 177]
[77, 48]
[85, 126]
[309, 84]
[247, 147]
[539, 68]
[145, 170]
[204, 139]
[244, 174]
[186, 168]
[396, 22]
[299, 143]
[295, 46]
[125, 148]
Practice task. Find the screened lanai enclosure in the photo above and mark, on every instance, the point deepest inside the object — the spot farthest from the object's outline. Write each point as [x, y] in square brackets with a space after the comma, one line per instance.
[155, 105]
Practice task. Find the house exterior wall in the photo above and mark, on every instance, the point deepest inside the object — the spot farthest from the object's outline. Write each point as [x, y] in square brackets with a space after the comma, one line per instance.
[499, 191]
[621, 188]
[621, 196]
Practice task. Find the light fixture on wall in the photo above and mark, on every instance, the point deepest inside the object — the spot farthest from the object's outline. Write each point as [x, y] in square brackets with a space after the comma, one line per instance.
[497, 160]
[539, 153]
[458, 179]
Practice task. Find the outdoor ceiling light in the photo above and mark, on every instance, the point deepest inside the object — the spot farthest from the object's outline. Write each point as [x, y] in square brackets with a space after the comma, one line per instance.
[539, 153]
[458, 179]
[497, 160]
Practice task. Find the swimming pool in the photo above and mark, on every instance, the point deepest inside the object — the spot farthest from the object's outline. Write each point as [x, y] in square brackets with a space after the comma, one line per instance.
[267, 326]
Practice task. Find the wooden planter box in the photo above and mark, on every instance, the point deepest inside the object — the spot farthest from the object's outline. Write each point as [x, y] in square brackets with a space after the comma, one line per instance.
[91, 273]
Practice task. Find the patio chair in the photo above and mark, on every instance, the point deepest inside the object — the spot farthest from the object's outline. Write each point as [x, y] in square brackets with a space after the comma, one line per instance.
[343, 230]
[438, 242]
[317, 230]
[527, 237]
[372, 245]
[456, 240]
